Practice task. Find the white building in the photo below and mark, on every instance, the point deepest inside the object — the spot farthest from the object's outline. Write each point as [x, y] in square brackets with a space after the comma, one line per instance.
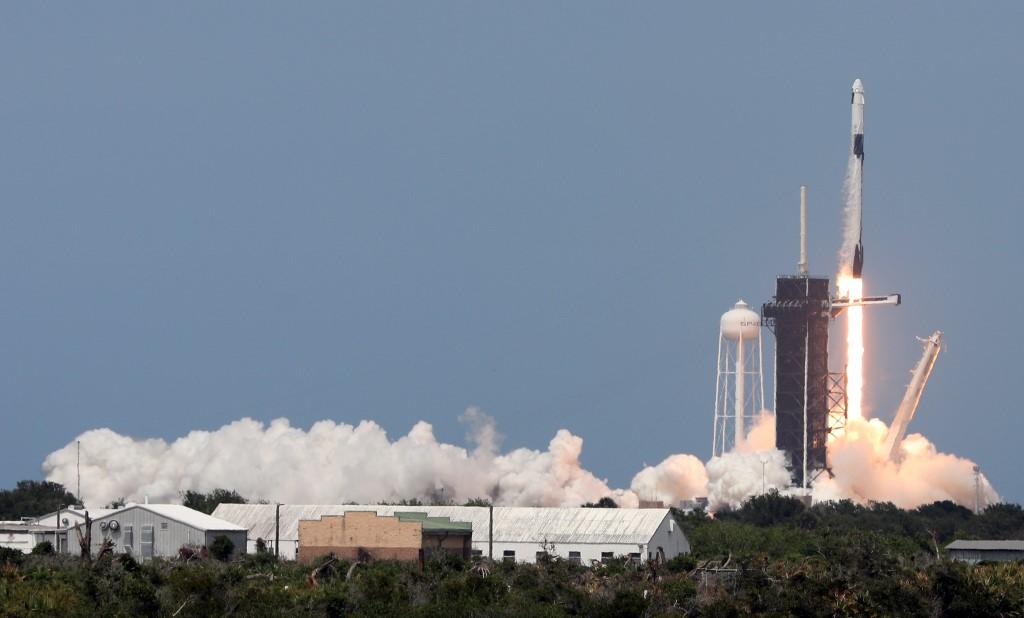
[975, 551]
[144, 530]
[580, 534]
[160, 530]
[24, 536]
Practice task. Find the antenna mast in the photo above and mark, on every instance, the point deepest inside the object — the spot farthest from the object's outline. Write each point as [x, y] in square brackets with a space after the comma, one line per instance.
[802, 265]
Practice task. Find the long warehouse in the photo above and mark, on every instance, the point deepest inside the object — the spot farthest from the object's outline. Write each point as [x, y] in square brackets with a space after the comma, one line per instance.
[585, 535]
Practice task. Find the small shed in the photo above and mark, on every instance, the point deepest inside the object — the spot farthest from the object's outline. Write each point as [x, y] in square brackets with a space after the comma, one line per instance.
[977, 551]
[161, 530]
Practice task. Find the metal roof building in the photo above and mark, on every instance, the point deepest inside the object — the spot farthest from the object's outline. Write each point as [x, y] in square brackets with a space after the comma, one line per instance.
[979, 551]
[25, 535]
[70, 516]
[520, 533]
[160, 530]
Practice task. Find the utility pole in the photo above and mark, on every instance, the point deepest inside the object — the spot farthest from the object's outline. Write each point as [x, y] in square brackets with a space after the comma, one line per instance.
[977, 490]
[78, 469]
[277, 530]
[764, 462]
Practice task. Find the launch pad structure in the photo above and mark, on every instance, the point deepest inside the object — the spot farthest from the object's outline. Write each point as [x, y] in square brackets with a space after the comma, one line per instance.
[810, 401]
[799, 317]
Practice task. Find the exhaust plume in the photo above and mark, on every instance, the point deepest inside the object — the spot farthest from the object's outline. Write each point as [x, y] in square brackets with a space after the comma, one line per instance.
[864, 472]
[332, 463]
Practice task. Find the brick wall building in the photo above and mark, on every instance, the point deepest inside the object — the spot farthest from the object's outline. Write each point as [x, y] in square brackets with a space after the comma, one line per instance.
[364, 534]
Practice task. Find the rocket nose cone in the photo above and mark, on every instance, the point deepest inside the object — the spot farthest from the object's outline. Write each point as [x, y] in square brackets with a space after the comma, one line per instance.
[858, 86]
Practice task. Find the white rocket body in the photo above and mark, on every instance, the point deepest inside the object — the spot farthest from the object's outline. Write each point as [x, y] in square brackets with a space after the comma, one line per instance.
[857, 180]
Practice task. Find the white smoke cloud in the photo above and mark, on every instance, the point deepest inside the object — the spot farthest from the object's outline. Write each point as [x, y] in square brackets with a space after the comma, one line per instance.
[726, 480]
[864, 472]
[737, 475]
[678, 477]
[761, 436]
[337, 462]
[330, 463]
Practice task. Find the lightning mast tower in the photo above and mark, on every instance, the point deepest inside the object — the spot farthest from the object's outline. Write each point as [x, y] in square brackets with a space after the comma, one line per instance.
[739, 388]
[799, 317]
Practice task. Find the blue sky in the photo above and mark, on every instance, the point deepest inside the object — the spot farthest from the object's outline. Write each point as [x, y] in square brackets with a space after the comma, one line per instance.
[396, 210]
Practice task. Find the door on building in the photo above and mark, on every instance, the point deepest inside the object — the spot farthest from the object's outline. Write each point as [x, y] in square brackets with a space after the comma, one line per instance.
[147, 542]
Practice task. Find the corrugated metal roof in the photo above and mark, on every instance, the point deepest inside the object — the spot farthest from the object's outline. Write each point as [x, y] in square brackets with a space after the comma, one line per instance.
[512, 524]
[987, 545]
[93, 513]
[185, 515]
[16, 527]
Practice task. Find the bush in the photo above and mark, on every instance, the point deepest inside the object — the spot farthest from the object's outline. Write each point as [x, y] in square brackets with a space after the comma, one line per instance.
[222, 548]
[11, 556]
[683, 563]
[44, 548]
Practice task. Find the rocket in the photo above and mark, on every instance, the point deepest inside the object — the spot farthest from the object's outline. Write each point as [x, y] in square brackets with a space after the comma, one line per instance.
[857, 147]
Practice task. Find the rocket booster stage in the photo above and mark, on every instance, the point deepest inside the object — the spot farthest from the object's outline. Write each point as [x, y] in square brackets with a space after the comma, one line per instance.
[857, 146]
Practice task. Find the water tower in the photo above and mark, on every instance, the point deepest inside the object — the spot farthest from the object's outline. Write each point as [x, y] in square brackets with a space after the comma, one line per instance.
[739, 388]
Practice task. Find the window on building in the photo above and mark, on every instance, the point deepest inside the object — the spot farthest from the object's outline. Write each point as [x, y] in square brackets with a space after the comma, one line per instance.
[509, 555]
[163, 525]
[575, 558]
[607, 556]
[635, 558]
[477, 553]
[541, 556]
[126, 538]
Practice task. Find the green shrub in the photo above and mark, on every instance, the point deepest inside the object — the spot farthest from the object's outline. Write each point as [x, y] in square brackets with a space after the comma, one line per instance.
[45, 548]
[683, 563]
[222, 548]
[11, 556]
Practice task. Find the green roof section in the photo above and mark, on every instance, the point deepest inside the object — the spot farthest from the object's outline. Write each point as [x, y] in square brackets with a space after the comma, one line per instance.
[436, 524]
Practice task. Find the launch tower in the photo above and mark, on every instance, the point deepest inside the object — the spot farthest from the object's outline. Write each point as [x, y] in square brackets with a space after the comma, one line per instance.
[799, 317]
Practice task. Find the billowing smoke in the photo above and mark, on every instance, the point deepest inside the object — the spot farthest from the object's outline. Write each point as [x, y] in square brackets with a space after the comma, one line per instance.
[331, 463]
[754, 466]
[334, 463]
[852, 188]
[678, 477]
[864, 471]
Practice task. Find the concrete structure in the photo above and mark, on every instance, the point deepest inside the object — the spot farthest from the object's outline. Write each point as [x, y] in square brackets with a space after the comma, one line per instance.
[24, 536]
[158, 530]
[974, 552]
[520, 533]
[404, 536]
